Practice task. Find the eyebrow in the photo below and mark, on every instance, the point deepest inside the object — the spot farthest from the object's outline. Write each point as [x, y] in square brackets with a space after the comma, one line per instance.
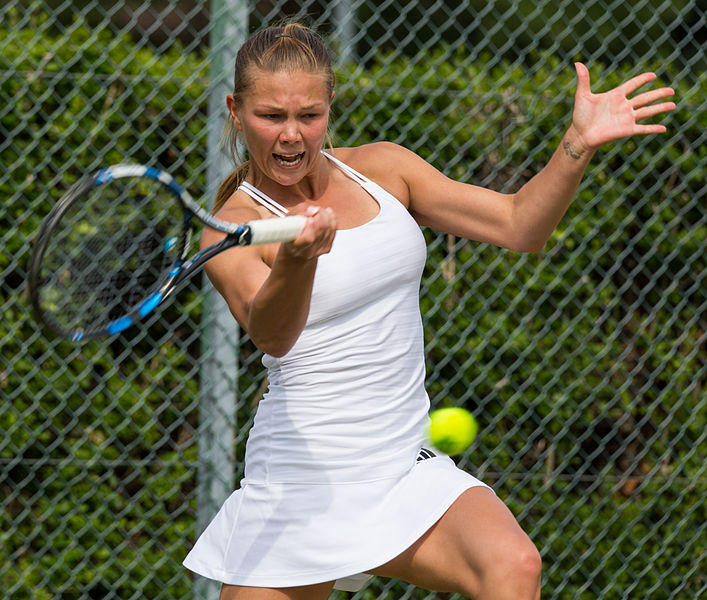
[273, 107]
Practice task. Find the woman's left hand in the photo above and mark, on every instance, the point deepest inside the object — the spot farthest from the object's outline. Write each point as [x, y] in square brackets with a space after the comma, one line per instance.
[612, 115]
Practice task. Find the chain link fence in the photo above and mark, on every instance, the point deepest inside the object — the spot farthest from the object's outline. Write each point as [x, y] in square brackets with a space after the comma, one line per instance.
[585, 363]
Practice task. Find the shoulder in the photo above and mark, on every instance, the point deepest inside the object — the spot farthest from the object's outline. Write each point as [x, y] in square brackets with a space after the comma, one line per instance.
[390, 165]
[378, 158]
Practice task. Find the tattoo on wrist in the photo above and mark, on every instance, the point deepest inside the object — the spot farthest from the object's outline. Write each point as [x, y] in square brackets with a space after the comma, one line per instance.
[569, 152]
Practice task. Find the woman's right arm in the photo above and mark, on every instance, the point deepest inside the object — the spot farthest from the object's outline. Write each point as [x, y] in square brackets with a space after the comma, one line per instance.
[268, 288]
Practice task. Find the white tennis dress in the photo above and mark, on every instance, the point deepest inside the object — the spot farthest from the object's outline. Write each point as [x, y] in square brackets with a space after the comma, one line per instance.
[335, 480]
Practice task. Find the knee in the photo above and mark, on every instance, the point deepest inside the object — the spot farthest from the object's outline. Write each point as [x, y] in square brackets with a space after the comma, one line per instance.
[514, 573]
[527, 565]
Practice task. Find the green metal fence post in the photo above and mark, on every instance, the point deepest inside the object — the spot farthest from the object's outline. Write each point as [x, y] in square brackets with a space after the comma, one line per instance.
[219, 368]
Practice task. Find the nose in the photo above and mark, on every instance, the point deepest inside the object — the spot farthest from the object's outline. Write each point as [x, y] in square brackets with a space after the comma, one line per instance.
[290, 133]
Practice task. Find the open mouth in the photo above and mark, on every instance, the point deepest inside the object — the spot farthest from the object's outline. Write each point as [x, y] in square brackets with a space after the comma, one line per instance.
[289, 160]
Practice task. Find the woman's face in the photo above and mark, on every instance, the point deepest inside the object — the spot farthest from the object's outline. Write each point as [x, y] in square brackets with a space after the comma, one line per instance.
[284, 120]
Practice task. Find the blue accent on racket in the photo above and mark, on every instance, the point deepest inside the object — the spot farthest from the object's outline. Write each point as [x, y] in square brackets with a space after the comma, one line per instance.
[149, 304]
[102, 258]
[104, 176]
[119, 325]
[153, 173]
[76, 336]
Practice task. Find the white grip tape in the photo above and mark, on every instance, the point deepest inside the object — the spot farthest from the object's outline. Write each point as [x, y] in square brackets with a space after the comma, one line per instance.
[267, 231]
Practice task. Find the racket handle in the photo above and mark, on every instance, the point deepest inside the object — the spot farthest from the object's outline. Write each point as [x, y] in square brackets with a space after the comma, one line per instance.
[266, 231]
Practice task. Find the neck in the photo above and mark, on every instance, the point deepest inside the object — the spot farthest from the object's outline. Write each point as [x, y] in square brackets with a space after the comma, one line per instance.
[308, 189]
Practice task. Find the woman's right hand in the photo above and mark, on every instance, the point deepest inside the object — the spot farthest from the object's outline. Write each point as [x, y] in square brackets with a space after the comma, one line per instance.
[270, 294]
[275, 314]
[317, 236]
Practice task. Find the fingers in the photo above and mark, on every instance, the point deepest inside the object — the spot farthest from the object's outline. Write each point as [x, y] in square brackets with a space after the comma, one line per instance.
[643, 108]
[322, 221]
[648, 129]
[654, 109]
[634, 83]
[649, 97]
[582, 78]
[627, 88]
[318, 234]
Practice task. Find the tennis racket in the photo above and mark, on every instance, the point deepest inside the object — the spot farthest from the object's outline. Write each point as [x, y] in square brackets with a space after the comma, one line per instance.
[118, 243]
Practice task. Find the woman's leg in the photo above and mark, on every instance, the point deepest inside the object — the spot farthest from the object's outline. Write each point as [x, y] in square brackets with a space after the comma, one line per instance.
[319, 591]
[477, 548]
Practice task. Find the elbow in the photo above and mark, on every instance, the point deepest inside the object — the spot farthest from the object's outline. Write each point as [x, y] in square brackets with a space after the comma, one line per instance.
[527, 244]
[272, 346]
[528, 232]
[272, 341]
[277, 351]
[270, 336]
[533, 248]
[528, 238]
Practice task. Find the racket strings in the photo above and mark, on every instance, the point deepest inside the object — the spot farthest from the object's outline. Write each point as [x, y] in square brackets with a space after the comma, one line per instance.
[108, 252]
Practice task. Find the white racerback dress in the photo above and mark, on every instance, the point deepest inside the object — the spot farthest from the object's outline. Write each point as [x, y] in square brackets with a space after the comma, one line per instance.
[336, 481]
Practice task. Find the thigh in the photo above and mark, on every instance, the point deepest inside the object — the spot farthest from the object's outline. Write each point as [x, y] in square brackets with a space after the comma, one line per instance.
[319, 591]
[472, 538]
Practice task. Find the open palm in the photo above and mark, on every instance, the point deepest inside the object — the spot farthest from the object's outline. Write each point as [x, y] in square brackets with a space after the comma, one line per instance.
[612, 115]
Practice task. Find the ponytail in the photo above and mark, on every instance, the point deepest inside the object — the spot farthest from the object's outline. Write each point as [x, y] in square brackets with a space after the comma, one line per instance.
[229, 185]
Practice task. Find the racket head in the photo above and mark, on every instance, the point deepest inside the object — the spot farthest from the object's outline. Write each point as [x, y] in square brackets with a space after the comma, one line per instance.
[109, 252]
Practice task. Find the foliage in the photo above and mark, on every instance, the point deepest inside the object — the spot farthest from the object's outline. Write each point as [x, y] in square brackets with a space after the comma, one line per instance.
[608, 318]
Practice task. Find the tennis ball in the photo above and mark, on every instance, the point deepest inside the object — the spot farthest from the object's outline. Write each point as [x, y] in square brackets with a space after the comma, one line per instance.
[452, 430]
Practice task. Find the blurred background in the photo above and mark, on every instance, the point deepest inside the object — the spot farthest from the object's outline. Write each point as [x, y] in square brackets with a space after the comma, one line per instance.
[584, 364]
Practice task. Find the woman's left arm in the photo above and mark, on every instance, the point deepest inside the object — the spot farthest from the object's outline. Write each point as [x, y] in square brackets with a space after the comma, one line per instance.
[525, 220]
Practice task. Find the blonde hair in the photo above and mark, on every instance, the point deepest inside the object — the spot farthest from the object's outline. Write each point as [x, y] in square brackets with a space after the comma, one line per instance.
[289, 47]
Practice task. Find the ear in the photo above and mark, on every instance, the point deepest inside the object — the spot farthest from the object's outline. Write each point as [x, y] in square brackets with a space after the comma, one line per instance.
[332, 98]
[233, 111]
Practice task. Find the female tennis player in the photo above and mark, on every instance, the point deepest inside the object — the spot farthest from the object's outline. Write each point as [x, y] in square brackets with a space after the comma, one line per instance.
[337, 487]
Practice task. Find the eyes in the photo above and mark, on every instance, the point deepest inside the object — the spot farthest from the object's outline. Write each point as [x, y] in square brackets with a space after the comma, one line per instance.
[276, 117]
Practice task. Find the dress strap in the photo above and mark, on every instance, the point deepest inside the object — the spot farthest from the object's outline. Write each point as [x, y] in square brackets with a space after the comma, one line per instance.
[355, 175]
[263, 199]
[280, 210]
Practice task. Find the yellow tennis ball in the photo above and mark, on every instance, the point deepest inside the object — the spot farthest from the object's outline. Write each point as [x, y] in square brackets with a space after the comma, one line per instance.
[452, 430]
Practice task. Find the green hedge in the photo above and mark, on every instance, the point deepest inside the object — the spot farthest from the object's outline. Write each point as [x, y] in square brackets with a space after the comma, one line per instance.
[598, 337]
[636, 232]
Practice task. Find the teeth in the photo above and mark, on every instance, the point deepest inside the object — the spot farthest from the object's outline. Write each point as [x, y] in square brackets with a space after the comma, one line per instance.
[288, 161]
